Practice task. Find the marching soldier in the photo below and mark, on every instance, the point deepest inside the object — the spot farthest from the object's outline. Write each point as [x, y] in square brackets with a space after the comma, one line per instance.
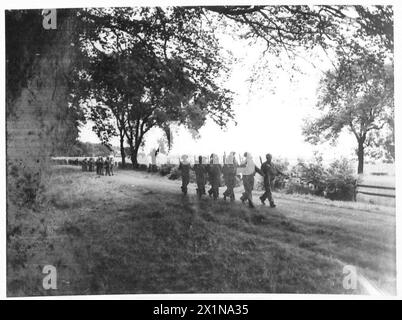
[248, 170]
[97, 165]
[101, 164]
[200, 175]
[111, 165]
[209, 171]
[91, 164]
[184, 167]
[229, 175]
[107, 166]
[269, 172]
[215, 171]
[84, 165]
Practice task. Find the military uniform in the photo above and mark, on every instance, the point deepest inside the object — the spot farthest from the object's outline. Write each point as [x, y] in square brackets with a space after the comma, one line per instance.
[111, 165]
[248, 170]
[229, 176]
[91, 164]
[97, 165]
[269, 172]
[107, 167]
[214, 175]
[184, 167]
[101, 166]
[84, 165]
[200, 176]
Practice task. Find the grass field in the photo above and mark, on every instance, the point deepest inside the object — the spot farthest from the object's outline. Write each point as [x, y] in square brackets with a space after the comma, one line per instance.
[135, 233]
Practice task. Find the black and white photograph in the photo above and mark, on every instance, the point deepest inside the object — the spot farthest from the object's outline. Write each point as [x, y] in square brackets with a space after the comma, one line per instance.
[161, 149]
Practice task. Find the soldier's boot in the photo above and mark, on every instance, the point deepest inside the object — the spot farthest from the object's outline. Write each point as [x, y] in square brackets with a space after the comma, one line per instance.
[214, 194]
[272, 204]
[262, 200]
[242, 198]
[250, 203]
[232, 197]
[225, 194]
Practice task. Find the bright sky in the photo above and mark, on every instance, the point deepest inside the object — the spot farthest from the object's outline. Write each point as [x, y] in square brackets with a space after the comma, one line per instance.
[269, 119]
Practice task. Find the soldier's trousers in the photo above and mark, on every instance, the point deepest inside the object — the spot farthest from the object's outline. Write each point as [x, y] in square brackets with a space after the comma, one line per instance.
[200, 186]
[111, 170]
[268, 191]
[230, 181]
[107, 172]
[214, 191]
[185, 180]
[248, 183]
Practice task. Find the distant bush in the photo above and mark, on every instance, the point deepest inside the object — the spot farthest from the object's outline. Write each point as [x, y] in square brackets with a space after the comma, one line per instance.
[175, 173]
[296, 187]
[335, 182]
[127, 165]
[165, 169]
[340, 181]
[142, 167]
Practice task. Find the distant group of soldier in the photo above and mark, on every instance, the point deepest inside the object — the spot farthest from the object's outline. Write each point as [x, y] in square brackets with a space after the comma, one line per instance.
[103, 166]
[213, 171]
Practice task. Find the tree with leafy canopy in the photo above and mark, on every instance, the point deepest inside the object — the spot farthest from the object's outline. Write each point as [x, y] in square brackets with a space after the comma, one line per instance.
[357, 95]
[178, 33]
[292, 31]
[170, 78]
[291, 26]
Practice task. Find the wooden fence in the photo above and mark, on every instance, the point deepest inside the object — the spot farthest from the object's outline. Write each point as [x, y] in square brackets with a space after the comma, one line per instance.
[364, 186]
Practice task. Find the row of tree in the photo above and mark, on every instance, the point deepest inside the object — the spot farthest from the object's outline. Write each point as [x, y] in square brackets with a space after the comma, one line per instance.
[152, 67]
[134, 69]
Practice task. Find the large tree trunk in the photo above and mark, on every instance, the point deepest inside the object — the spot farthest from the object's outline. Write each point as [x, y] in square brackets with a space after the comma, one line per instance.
[135, 137]
[122, 153]
[38, 117]
[134, 153]
[360, 156]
